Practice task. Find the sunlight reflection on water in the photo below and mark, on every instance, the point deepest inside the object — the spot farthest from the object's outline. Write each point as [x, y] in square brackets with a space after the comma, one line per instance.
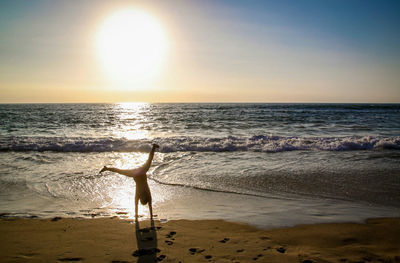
[134, 119]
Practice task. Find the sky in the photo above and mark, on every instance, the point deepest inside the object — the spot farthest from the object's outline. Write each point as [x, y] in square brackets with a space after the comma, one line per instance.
[216, 51]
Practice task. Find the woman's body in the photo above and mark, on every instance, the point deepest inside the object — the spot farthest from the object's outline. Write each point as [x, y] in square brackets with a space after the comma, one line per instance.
[139, 175]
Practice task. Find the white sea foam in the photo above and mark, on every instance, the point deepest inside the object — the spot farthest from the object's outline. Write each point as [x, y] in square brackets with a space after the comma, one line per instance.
[259, 143]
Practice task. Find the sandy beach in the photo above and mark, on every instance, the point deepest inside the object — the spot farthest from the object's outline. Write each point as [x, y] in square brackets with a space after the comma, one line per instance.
[116, 240]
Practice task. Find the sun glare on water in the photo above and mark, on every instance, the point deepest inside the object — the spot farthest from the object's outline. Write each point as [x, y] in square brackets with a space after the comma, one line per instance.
[131, 45]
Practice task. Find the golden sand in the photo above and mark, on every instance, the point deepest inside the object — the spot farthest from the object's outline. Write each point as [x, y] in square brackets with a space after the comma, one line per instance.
[115, 240]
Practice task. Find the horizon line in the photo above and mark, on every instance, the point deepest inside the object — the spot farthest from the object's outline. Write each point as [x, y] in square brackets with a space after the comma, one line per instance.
[204, 102]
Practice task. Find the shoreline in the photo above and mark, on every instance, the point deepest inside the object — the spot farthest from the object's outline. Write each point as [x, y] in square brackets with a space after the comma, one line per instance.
[117, 240]
[175, 203]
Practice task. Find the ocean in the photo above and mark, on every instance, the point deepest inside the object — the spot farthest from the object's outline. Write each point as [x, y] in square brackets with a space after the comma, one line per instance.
[264, 164]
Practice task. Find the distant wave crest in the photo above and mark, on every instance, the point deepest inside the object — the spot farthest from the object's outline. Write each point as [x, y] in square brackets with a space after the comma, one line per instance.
[259, 143]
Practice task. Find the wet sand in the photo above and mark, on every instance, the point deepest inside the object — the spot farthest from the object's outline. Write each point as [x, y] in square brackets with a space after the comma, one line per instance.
[116, 240]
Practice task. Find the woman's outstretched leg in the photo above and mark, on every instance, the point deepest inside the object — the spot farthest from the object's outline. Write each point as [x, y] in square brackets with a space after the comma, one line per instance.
[116, 170]
[146, 166]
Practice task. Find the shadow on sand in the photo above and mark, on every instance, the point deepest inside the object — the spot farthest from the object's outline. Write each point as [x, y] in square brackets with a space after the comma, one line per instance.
[147, 243]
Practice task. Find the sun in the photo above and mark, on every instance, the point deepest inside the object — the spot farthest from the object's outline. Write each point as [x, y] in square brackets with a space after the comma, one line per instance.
[131, 45]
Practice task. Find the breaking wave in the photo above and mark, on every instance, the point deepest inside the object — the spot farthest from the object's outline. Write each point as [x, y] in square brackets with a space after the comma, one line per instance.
[258, 143]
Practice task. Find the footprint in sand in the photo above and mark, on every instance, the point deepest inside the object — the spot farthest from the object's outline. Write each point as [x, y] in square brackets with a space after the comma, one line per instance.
[281, 250]
[194, 250]
[169, 243]
[171, 234]
[224, 240]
